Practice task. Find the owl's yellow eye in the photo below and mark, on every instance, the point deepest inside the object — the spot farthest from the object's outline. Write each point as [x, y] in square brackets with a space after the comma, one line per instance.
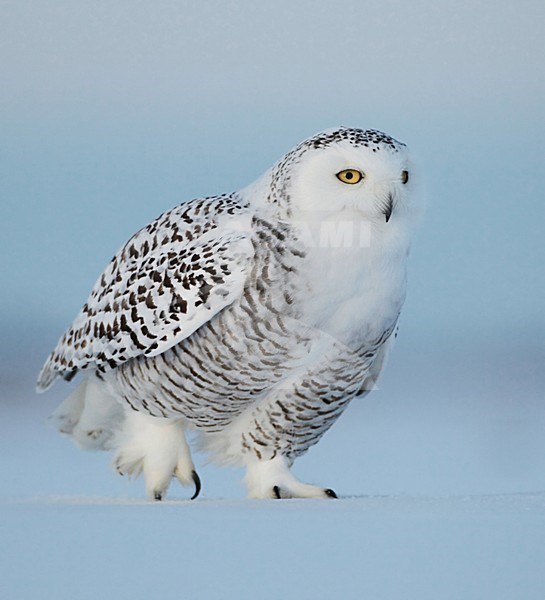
[350, 176]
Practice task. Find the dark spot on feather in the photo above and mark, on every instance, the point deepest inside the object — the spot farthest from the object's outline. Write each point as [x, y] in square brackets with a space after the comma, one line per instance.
[149, 301]
[178, 304]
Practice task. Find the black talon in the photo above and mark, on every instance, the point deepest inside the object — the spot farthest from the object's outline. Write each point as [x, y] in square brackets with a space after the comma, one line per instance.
[276, 491]
[158, 495]
[330, 493]
[197, 481]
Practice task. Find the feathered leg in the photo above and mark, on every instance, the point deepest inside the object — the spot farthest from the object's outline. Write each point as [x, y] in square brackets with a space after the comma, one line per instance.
[157, 448]
[294, 417]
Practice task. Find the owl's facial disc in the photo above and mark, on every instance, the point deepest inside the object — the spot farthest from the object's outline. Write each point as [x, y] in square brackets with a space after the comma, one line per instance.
[367, 179]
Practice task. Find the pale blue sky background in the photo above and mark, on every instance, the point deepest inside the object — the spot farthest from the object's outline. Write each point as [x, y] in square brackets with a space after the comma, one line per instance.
[112, 112]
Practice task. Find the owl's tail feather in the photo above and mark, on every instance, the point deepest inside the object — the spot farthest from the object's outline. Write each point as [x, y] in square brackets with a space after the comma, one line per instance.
[51, 371]
[90, 416]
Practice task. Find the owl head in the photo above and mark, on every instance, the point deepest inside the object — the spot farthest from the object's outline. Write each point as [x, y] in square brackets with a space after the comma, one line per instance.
[344, 169]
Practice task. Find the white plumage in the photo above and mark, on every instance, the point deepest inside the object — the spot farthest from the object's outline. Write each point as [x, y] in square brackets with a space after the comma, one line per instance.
[253, 317]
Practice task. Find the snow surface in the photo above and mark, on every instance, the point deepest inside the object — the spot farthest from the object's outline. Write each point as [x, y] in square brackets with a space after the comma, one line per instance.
[359, 547]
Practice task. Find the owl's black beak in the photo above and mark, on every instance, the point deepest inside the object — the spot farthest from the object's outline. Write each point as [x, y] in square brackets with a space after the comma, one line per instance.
[389, 207]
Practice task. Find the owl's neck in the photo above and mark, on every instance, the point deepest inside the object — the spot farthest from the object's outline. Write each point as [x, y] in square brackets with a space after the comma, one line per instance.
[354, 274]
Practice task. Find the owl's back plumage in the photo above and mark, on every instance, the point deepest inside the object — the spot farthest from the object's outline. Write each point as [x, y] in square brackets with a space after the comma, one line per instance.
[247, 316]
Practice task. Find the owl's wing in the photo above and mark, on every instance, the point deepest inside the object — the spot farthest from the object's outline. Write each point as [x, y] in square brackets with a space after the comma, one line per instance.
[169, 279]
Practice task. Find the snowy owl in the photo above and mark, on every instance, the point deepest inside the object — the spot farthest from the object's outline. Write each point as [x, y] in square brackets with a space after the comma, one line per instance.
[252, 318]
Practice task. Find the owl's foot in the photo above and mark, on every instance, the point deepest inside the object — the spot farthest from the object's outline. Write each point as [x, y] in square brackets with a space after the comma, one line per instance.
[158, 449]
[273, 479]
